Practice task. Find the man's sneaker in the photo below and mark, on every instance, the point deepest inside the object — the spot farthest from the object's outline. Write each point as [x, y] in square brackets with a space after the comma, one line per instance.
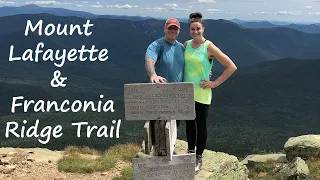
[191, 151]
[198, 162]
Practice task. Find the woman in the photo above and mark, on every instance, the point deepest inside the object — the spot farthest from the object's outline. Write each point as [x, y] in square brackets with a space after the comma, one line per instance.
[199, 54]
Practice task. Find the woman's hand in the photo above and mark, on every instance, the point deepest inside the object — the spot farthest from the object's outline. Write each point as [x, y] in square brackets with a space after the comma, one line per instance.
[208, 84]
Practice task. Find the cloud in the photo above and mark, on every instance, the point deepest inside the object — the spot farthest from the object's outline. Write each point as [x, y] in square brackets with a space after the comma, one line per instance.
[206, 1]
[214, 10]
[96, 6]
[171, 5]
[42, 2]
[79, 5]
[308, 7]
[155, 9]
[126, 6]
[261, 13]
[6, 2]
[202, 1]
[288, 13]
[178, 9]
[315, 13]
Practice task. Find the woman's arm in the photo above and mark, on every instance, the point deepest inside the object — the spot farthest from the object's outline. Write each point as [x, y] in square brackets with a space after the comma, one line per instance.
[230, 67]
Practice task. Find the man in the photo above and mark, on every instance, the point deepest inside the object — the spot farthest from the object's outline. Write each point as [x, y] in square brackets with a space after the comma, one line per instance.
[164, 59]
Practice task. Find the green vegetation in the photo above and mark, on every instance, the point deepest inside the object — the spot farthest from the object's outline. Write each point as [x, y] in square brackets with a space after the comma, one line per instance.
[272, 170]
[73, 151]
[86, 160]
[83, 165]
[124, 152]
[314, 167]
[126, 174]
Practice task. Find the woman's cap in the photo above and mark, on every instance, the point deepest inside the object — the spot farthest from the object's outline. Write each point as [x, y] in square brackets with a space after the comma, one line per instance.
[172, 22]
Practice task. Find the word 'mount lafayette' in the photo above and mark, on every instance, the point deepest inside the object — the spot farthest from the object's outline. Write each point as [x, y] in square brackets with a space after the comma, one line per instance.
[59, 55]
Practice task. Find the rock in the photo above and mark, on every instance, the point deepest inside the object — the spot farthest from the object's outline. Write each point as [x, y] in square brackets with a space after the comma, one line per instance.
[297, 169]
[62, 177]
[30, 160]
[9, 169]
[11, 154]
[251, 160]
[217, 165]
[306, 147]
[5, 160]
[104, 173]
[262, 174]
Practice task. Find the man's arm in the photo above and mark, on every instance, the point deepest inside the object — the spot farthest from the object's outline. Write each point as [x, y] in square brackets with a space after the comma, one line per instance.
[154, 78]
[149, 64]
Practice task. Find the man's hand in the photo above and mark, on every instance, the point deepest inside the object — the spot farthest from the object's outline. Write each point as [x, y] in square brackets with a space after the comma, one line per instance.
[154, 78]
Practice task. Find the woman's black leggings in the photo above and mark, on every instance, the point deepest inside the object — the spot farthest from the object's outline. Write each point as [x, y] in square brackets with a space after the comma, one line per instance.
[197, 130]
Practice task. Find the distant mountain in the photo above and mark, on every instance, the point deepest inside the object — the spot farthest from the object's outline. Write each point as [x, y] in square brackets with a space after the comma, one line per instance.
[131, 18]
[262, 24]
[261, 106]
[309, 28]
[244, 46]
[281, 23]
[35, 9]
[312, 28]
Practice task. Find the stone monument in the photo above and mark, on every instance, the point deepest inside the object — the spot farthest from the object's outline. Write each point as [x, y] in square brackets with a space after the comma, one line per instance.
[160, 105]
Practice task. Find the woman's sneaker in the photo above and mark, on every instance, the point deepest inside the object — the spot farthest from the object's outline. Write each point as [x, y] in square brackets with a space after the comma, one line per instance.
[198, 162]
[191, 151]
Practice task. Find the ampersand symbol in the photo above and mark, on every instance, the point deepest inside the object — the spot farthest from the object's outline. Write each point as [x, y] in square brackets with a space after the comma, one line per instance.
[57, 80]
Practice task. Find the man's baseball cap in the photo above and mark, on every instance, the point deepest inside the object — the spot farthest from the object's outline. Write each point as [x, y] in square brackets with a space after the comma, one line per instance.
[172, 22]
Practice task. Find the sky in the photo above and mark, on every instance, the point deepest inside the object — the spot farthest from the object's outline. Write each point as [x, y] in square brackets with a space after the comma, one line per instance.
[271, 10]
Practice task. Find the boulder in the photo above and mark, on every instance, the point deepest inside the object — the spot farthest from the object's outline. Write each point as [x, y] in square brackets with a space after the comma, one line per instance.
[296, 170]
[254, 159]
[306, 147]
[217, 165]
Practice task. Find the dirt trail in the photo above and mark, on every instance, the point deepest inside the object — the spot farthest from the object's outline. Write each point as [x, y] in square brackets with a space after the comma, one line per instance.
[41, 164]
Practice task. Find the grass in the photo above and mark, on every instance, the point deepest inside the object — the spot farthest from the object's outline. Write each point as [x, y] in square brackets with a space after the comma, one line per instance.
[86, 160]
[126, 174]
[314, 167]
[273, 174]
[125, 152]
[82, 165]
[73, 150]
[268, 167]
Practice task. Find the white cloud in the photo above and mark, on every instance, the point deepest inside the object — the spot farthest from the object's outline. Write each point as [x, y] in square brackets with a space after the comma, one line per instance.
[79, 5]
[206, 1]
[97, 6]
[288, 13]
[178, 9]
[315, 13]
[260, 12]
[126, 6]
[86, 2]
[6, 2]
[171, 5]
[215, 11]
[308, 7]
[42, 2]
[155, 9]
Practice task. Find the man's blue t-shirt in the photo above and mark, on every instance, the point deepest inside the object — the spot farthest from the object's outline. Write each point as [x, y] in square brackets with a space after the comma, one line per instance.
[170, 64]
